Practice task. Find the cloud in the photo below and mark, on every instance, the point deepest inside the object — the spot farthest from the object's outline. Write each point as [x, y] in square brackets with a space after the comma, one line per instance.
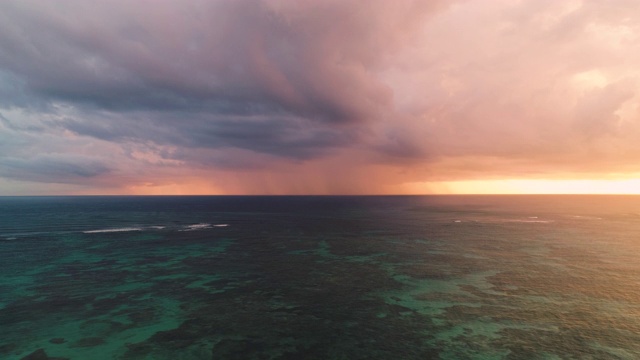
[507, 81]
[277, 78]
[53, 168]
[313, 60]
[416, 89]
[595, 111]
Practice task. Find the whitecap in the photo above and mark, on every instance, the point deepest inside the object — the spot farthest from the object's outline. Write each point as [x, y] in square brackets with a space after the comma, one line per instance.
[196, 227]
[127, 229]
[527, 220]
[221, 225]
[586, 217]
[530, 221]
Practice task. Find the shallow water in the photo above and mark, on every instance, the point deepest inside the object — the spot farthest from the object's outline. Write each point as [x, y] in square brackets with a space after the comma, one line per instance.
[433, 277]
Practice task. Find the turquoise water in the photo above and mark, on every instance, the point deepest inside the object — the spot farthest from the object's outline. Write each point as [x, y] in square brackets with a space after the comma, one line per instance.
[433, 277]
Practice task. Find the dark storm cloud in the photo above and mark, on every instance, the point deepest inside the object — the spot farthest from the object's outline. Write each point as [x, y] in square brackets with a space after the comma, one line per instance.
[54, 168]
[280, 78]
[230, 56]
[285, 137]
[288, 137]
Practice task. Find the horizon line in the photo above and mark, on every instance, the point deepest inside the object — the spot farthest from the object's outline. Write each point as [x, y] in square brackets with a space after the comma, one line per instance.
[320, 195]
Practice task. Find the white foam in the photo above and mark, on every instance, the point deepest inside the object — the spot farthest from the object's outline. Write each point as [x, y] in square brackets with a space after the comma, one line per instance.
[458, 221]
[196, 227]
[530, 221]
[527, 221]
[112, 230]
[221, 225]
[586, 217]
[158, 227]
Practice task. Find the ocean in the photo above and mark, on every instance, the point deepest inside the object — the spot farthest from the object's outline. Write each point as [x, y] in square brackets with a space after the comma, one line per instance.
[320, 277]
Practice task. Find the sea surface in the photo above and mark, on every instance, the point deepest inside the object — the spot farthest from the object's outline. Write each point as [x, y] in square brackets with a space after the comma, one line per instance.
[303, 277]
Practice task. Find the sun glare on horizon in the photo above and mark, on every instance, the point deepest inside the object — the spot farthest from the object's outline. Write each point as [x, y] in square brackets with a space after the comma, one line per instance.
[529, 186]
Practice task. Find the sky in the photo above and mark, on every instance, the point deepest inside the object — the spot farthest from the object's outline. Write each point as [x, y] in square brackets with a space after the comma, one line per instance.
[319, 97]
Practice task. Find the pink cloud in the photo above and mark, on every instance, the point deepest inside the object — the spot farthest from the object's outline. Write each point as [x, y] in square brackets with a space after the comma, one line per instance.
[383, 93]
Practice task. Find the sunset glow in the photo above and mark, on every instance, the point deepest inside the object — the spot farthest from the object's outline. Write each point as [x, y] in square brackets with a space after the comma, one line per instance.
[622, 187]
[326, 97]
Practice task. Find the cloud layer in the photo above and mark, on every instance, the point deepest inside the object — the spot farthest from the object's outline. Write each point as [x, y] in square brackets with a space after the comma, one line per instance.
[322, 97]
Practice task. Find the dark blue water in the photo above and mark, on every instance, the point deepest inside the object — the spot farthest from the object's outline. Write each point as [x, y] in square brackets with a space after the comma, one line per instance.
[433, 277]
